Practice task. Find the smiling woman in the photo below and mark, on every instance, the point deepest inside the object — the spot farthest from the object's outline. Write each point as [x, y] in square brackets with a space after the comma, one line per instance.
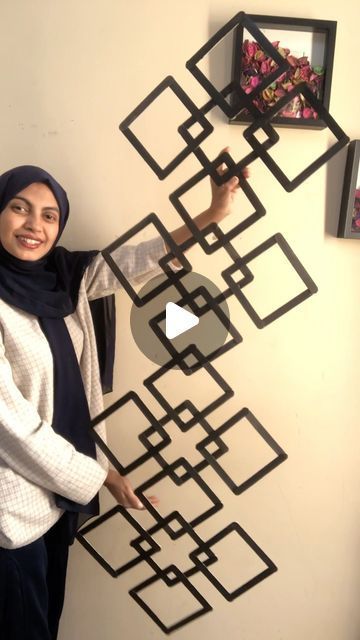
[50, 469]
[29, 224]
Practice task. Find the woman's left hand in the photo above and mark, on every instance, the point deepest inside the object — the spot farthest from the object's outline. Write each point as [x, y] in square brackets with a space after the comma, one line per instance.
[222, 197]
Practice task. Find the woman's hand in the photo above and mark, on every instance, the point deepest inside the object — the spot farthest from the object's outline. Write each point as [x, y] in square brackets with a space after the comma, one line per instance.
[221, 204]
[222, 197]
[120, 487]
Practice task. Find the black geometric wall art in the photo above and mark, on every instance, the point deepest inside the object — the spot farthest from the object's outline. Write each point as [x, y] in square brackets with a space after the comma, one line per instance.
[118, 512]
[201, 303]
[236, 422]
[234, 527]
[192, 356]
[239, 97]
[246, 161]
[168, 83]
[342, 138]
[200, 235]
[237, 287]
[232, 168]
[179, 472]
[152, 218]
[217, 447]
[162, 438]
[174, 522]
[190, 414]
[201, 606]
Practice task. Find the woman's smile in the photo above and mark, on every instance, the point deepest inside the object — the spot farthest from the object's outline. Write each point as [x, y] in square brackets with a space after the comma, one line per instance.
[29, 224]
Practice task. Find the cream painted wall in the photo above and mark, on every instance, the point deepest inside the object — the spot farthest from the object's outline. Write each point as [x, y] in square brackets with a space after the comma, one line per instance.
[71, 71]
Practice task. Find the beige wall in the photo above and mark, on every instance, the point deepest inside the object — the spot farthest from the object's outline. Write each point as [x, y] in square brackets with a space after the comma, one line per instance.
[71, 71]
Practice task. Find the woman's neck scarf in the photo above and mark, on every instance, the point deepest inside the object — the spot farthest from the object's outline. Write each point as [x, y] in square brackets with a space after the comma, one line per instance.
[48, 288]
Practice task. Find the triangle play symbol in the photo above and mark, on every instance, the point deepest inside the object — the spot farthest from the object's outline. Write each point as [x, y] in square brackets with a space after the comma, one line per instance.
[178, 320]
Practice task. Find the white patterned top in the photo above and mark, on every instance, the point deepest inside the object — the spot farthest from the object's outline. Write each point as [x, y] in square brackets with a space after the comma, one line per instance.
[35, 462]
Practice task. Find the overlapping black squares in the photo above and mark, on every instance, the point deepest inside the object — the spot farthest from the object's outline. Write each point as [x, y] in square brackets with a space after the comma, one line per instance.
[177, 472]
[172, 276]
[162, 437]
[206, 128]
[201, 303]
[202, 606]
[239, 98]
[238, 287]
[236, 422]
[217, 447]
[233, 168]
[149, 545]
[177, 523]
[234, 527]
[250, 135]
[202, 234]
[192, 356]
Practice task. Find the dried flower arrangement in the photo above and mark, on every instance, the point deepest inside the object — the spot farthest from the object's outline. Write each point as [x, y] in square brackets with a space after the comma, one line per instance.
[256, 65]
[355, 223]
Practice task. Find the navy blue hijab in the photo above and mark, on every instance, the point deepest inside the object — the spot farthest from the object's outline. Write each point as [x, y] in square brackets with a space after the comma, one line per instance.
[48, 288]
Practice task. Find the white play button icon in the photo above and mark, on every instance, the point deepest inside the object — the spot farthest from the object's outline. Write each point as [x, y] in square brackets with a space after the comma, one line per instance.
[178, 320]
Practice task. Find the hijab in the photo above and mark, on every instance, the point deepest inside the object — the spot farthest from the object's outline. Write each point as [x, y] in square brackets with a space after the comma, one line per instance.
[48, 288]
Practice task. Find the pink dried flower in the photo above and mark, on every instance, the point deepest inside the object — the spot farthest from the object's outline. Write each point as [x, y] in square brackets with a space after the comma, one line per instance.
[256, 65]
[250, 48]
[305, 73]
[265, 67]
[292, 60]
[260, 55]
[307, 113]
[255, 80]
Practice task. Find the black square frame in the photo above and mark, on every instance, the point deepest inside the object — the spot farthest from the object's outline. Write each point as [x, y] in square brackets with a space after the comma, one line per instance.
[168, 83]
[231, 595]
[172, 276]
[118, 510]
[326, 27]
[205, 607]
[350, 204]
[236, 287]
[220, 450]
[280, 455]
[173, 412]
[133, 397]
[239, 97]
[211, 306]
[233, 169]
[179, 471]
[342, 139]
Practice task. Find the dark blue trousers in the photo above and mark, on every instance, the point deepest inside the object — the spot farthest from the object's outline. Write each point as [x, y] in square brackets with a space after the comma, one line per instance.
[32, 586]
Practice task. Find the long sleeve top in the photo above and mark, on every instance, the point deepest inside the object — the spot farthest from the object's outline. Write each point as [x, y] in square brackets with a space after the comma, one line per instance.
[35, 462]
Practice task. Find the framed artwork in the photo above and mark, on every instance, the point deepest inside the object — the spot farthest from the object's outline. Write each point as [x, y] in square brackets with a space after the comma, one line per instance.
[349, 221]
[307, 45]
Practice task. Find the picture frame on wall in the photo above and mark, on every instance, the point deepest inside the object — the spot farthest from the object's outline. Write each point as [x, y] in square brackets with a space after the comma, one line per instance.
[349, 220]
[309, 47]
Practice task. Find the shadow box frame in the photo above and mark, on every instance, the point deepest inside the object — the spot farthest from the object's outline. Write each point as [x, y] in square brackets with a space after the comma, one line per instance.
[323, 27]
[351, 182]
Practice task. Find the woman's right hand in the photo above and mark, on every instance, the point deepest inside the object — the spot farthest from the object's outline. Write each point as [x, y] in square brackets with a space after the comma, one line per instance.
[120, 487]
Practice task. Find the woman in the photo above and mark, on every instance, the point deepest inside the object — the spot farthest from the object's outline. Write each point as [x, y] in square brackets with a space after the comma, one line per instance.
[50, 469]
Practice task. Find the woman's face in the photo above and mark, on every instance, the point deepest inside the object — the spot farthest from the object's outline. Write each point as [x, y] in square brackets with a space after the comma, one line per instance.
[29, 224]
